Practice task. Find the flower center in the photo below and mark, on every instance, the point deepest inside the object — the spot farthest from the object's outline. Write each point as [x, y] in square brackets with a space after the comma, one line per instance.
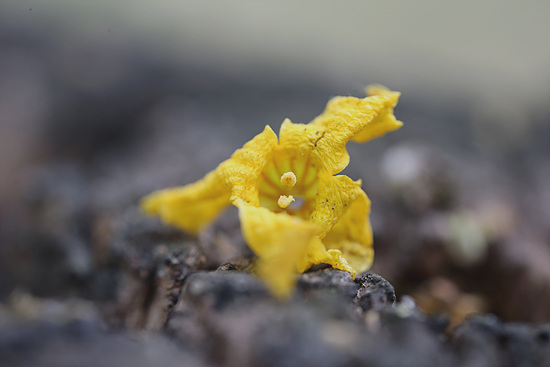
[289, 183]
[288, 180]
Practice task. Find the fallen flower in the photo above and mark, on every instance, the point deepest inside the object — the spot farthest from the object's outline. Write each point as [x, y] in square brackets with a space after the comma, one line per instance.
[294, 211]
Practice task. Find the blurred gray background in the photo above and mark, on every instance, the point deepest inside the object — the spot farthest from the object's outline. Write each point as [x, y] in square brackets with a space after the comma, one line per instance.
[104, 101]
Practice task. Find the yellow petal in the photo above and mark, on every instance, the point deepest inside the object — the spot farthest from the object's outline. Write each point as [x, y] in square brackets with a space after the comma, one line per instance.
[352, 234]
[316, 253]
[385, 121]
[334, 195]
[299, 138]
[350, 118]
[344, 239]
[312, 140]
[280, 241]
[189, 207]
[196, 205]
[240, 173]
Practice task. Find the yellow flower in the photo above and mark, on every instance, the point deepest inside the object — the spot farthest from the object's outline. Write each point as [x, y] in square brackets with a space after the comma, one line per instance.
[294, 211]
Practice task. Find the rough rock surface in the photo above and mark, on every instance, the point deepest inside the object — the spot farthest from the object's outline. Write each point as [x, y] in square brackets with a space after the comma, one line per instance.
[226, 317]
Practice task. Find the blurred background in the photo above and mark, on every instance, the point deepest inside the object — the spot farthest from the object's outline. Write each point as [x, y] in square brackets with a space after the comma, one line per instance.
[102, 102]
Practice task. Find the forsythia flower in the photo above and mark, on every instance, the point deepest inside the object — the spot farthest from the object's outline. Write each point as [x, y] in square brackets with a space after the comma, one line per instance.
[294, 211]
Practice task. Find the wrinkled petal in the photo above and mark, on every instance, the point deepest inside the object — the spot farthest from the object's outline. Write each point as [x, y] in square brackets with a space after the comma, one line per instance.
[280, 241]
[385, 121]
[240, 173]
[345, 236]
[189, 207]
[334, 195]
[352, 234]
[196, 205]
[316, 253]
[299, 138]
[347, 118]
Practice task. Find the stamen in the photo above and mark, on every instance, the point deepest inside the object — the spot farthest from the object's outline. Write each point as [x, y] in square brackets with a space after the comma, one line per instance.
[285, 201]
[288, 179]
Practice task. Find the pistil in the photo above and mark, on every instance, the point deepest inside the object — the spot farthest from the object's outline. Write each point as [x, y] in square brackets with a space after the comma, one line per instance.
[288, 179]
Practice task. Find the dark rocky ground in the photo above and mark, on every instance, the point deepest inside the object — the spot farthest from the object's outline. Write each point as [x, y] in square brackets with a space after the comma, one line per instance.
[462, 241]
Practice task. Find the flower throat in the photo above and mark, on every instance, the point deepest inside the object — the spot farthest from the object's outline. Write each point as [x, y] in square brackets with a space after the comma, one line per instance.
[288, 183]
